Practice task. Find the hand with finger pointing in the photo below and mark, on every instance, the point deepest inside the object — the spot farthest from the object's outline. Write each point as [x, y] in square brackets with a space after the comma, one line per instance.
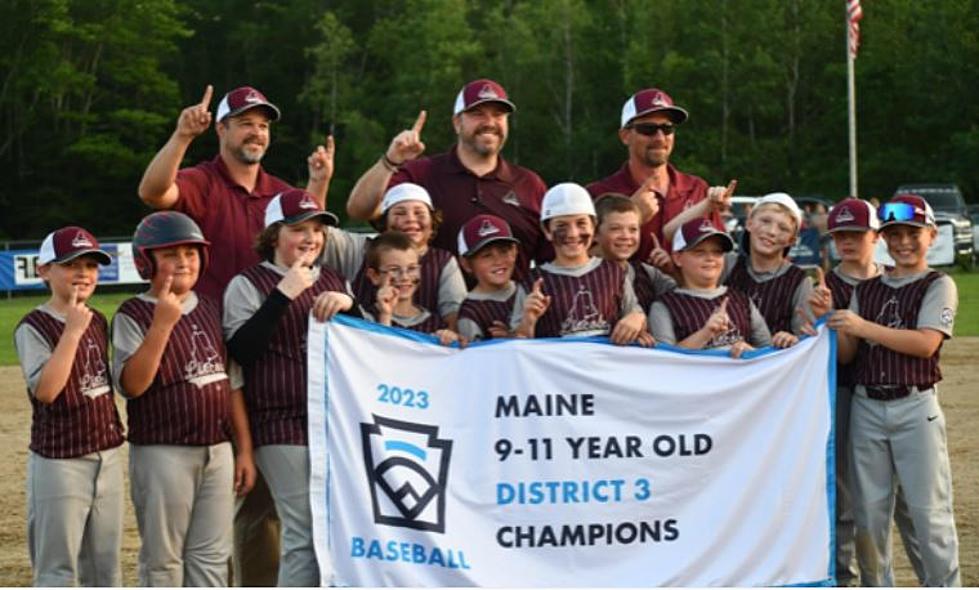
[387, 298]
[196, 118]
[821, 298]
[719, 197]
[298, 279]
[320, 162]
[719, 322]
[537, 302]
[408, 144]
[534, 307]
[168, 309]
[79, 316]
[659, 257]
[646, 199]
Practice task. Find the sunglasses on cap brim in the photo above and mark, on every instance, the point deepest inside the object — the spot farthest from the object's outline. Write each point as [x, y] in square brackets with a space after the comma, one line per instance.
[650, 129]
[891, 212]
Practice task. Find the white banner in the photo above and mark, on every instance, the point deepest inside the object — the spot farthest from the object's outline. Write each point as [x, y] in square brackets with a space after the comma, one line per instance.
[567, 463]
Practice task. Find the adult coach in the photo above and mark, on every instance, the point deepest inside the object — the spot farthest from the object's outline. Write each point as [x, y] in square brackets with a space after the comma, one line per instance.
[227, 196]
[648, 130]
[469, 179]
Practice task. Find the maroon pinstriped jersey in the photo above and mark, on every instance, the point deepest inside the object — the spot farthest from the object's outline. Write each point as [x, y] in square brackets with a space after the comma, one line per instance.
[773, 298]
[432, 324]
[76, 423]
[275, 385]
[483, 312]
[586, 305]
[842, 291]
[642, 284]
[189, 401]
[432, 264]
[690, 313]
[894, 308]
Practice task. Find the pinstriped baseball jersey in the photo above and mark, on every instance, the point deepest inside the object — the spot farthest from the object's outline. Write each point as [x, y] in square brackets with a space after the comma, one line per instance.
[894, 308]
[483, 312]
[83, 419]
[189, 401]
[842, 290]
[773, 298]
[427, 295]
[586, 305]
[690, 313]
[642, 284]
[275, 385]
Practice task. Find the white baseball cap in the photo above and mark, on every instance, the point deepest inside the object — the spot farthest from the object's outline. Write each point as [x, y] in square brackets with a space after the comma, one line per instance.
[784, 200]
[566, 198]
[406, 191]
[295, 206]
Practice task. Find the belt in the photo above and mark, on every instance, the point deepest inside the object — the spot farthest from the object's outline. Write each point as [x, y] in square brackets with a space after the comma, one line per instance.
[892, 392]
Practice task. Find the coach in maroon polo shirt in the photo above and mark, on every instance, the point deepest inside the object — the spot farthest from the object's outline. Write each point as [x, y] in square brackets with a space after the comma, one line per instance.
[648, 129]
[469, 179]
[227, 195]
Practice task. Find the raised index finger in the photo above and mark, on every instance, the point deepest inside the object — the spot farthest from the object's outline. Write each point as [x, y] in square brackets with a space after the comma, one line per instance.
[73, 299]
[723, 307]
[206, 99]
[820, 276]
[419, 122]
[729, 191]
[655, 240]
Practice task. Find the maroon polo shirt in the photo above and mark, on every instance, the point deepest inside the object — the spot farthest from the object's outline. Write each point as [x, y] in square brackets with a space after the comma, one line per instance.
[229, 216]
[685, 191]
[509, 191]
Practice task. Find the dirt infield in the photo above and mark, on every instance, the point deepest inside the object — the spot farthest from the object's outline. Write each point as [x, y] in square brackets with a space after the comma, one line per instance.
[960, 362]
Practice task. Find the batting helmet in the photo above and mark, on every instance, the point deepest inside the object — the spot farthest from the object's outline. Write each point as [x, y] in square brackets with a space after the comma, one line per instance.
[162, 230]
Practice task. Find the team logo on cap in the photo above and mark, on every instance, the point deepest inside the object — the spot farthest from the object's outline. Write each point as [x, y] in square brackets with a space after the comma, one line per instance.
[658, 101]
[252, 97]
[487, 229]
[705, 226]
[81, 241]
[307, 202]
[487, 92]
[844, 216]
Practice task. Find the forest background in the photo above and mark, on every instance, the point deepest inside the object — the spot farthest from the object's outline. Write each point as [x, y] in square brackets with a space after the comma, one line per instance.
[91, 89]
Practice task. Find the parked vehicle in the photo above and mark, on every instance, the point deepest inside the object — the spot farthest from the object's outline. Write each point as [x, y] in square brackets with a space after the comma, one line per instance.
[949, 205]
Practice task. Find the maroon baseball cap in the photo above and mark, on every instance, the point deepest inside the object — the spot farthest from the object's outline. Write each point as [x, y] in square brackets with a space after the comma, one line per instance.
[68, 243]
[242, 99]
[480, 91]
[651, 100]
[696, 231]
[907, 209]
[852, 214]
[295, 206]
[482, 230]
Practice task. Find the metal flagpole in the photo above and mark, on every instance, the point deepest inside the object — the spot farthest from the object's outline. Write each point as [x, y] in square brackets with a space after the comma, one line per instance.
[854, 13]
[852, 108]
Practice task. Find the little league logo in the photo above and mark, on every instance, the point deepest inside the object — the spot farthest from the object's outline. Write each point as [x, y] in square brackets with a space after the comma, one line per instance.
[407, 471]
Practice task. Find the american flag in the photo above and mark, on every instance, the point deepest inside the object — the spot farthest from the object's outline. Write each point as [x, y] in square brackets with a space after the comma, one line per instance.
[853, 15]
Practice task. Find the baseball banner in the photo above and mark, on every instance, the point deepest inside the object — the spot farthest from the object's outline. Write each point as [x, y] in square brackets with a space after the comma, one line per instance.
[18, 268]
[568, 463]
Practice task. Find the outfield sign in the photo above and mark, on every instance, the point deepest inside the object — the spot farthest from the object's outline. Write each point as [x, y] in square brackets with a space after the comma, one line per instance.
[18, 268]
[567, 463]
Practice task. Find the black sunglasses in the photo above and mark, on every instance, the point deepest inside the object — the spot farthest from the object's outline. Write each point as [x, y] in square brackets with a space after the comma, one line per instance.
[650, 129]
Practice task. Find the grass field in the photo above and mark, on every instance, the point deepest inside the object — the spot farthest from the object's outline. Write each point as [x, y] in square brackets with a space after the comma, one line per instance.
[11, 310]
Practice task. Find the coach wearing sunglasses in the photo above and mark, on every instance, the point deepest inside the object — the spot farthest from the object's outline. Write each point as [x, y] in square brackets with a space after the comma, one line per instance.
[649, 122]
